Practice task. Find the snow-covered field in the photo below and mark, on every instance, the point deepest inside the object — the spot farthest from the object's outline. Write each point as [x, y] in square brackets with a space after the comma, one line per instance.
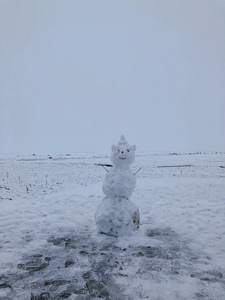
[50, 247]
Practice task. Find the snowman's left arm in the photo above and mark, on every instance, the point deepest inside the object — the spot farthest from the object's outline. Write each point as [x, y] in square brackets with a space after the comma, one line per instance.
[137, 171]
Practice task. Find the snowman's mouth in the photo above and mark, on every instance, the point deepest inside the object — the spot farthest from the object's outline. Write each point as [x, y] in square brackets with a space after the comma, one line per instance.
[122, 158]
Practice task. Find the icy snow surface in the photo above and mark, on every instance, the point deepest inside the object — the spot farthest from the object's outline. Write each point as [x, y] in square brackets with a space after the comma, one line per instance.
[51, 249]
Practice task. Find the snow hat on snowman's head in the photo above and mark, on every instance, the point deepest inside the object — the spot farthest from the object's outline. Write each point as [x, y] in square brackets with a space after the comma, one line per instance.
[122, 141]
[122, 155]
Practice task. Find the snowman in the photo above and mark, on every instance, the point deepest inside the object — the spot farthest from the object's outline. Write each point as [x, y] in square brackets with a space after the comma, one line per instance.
[116, 214]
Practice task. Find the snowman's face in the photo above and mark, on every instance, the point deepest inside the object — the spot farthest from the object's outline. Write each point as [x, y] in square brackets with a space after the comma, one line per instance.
[122, 156]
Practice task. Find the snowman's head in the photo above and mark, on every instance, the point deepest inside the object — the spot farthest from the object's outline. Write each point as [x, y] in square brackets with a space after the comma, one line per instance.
[122, 155]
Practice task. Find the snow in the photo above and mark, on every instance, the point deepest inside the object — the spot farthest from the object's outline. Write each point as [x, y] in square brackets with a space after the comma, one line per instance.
[119, 183]
[117, 217]
[116, 214]
[50, 245]
[122, 155]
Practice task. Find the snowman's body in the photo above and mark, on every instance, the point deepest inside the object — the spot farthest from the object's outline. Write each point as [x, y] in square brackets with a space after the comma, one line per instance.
[117, 215]
[119, 183]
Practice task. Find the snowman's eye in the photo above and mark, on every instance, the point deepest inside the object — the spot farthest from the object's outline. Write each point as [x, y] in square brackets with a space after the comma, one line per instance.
[128, 150]
[118, 150]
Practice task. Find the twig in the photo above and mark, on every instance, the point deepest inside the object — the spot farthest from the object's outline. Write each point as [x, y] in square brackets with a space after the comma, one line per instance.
[104, 165]
[137, 171]
[105, 169]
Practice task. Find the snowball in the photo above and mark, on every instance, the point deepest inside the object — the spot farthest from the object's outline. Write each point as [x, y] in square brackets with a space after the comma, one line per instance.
[122, 155]
[119, 183]
[117, 217]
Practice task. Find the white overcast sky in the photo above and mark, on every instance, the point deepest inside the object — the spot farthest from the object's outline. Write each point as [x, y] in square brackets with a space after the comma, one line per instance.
[76, 74]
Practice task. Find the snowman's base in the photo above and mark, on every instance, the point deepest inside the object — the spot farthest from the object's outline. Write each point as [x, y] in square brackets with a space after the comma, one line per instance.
[117, 217]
